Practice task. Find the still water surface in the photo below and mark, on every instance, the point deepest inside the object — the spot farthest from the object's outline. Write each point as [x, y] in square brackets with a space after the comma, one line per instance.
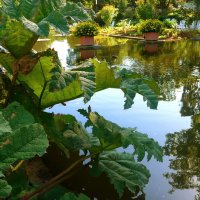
[176, 68]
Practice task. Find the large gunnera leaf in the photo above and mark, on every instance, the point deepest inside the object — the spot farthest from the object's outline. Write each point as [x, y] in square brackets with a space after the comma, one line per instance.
[25, 143]
[141, 86]
[112, 136]
[123, 171]
[16, 38]
[20, 137]
[17, 116]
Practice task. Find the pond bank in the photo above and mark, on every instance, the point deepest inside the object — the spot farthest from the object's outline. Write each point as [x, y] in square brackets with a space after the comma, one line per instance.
[142, 38]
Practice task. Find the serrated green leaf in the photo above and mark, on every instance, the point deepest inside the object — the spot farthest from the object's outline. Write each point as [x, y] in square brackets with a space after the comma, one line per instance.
[142, 86]
[57, 21]
[74, 11]
[16, 38]
[5, 189]
[61, 79]
[9, 7]
[17, 116]
[24, 143]
[105, 76]
[142, 143]
[123, 171]
[28, 8]
[41, 29]
[112, 136]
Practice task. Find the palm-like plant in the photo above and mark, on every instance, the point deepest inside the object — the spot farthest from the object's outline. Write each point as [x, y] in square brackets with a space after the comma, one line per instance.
[23, 22]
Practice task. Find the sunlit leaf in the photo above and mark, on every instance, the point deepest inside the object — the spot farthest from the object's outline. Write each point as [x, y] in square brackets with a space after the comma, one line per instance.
[16, 39]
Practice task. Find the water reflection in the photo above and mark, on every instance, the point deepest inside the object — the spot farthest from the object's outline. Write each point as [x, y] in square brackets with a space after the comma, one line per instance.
[184, 145]
[176, 68]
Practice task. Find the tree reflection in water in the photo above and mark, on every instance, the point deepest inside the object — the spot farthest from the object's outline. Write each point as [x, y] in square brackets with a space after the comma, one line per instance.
[184, 146]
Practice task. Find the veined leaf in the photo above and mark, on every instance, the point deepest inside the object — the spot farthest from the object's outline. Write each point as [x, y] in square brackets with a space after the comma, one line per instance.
[28, 8]
[74, 11]
[123, 171]
[5, 189]
[17, 116]
[142, 144]
[140, 85]
[41, 29]
[74, 136]
[112, 136]
[105, 76]
[71, 196]
[9, 8]
[47, 76]
[24, 143]
[16, 38]
[57, 21]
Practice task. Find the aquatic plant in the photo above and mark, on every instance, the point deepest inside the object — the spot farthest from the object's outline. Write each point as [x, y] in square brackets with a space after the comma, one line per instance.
[33, 81]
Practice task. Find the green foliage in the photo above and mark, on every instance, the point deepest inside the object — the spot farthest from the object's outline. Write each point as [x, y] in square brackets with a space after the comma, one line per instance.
[123, 171]
[145, 11]
[23, 133]
[151, 25]
[16, 38]
[26, 139]
[112, 136]
[107, 13]
[23, 23]
[131, 87]
[17, 116]
[61, 79]
[169, 23]
[5, 189]
[86, 28]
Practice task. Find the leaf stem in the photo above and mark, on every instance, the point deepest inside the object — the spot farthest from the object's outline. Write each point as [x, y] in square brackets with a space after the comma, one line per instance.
[41, 95]
[44, 86]
[57, 179]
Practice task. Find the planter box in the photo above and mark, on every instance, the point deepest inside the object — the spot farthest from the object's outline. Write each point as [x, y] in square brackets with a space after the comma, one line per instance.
[86, 40]
[151, 36]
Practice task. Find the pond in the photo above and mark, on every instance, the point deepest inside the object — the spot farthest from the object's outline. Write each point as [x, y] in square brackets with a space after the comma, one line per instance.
[175, 124]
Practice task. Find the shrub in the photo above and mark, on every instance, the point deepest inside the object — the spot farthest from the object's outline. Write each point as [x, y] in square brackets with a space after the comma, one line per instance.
[151, 25]
[107, 13]
[170, 23]
[86, 28]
